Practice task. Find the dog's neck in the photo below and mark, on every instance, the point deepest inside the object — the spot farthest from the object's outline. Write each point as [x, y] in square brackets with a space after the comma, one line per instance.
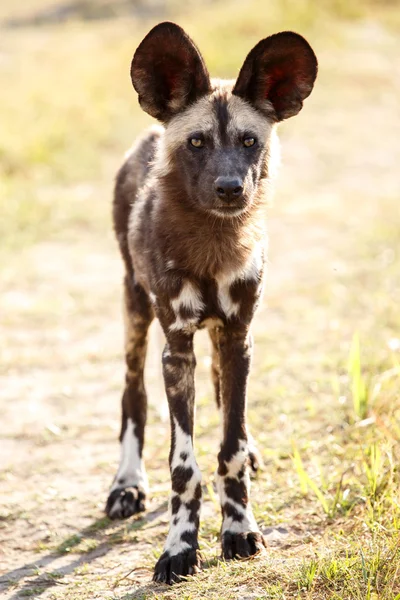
[205, 244]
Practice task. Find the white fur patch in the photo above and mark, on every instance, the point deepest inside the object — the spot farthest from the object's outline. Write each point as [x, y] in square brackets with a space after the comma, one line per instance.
[244, 117]
[131, 467]
[224, 282]
[190, 298]
[238, 460]
[174, 544]
[183, 445]
[198, 116]
[254, 265]
[250, 271]
[248, 522]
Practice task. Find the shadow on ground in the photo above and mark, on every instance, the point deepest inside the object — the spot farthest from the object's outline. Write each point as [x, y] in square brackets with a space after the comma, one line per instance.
[98, 530]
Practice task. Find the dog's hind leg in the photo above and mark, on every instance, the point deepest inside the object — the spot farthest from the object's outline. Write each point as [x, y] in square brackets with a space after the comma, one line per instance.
[215, 364]
[129, 488]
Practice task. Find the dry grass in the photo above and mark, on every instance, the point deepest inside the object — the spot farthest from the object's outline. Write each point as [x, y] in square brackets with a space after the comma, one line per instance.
[324, 397]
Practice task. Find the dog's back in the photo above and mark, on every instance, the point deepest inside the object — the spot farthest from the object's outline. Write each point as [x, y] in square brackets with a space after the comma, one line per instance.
[130, 178]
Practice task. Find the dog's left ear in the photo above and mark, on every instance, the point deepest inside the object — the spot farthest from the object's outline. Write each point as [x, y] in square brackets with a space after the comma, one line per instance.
[279, 71]
[168, 72]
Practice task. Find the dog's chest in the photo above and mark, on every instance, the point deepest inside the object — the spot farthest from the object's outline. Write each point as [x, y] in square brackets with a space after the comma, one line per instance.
[230, 296]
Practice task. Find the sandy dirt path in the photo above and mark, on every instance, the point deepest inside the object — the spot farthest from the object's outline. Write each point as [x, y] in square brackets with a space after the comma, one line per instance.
[61, 338]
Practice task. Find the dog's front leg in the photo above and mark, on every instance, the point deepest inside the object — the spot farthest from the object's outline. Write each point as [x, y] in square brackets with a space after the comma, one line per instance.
[240, 534]
[181, 556]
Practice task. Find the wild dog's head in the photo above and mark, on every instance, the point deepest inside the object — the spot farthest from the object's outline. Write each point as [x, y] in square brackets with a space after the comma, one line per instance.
[217, 141]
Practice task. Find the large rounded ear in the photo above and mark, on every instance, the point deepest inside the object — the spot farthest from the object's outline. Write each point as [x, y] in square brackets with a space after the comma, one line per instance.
[168, 72]
[278, 74]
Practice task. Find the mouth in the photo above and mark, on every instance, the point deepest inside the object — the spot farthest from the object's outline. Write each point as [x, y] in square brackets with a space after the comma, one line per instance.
[228, 211]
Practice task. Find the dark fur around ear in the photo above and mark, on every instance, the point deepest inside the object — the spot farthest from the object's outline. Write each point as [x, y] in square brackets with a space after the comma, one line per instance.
[279, 71]
[168, 72]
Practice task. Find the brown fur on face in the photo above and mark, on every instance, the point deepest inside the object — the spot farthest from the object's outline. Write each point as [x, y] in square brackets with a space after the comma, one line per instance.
[222, 121]
[189, 217]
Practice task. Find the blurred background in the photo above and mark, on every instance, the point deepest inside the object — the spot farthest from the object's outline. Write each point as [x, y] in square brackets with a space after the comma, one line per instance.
[324, 398]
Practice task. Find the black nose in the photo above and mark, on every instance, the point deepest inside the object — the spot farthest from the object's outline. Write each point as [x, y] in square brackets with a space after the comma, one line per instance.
[228, 188]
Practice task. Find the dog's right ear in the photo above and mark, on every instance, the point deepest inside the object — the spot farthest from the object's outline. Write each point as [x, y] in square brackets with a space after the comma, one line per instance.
[168, 72]
[278, 73]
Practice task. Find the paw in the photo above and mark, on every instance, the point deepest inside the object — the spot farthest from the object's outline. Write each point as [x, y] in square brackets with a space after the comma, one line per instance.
[172, 569]
[123, 502]
[242, 545]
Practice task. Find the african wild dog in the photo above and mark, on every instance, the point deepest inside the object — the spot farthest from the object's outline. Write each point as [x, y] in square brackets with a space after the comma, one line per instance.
[189, 217]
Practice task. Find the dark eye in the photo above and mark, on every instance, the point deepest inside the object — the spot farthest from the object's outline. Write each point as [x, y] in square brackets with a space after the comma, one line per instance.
[196, 142]
[249, 141]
